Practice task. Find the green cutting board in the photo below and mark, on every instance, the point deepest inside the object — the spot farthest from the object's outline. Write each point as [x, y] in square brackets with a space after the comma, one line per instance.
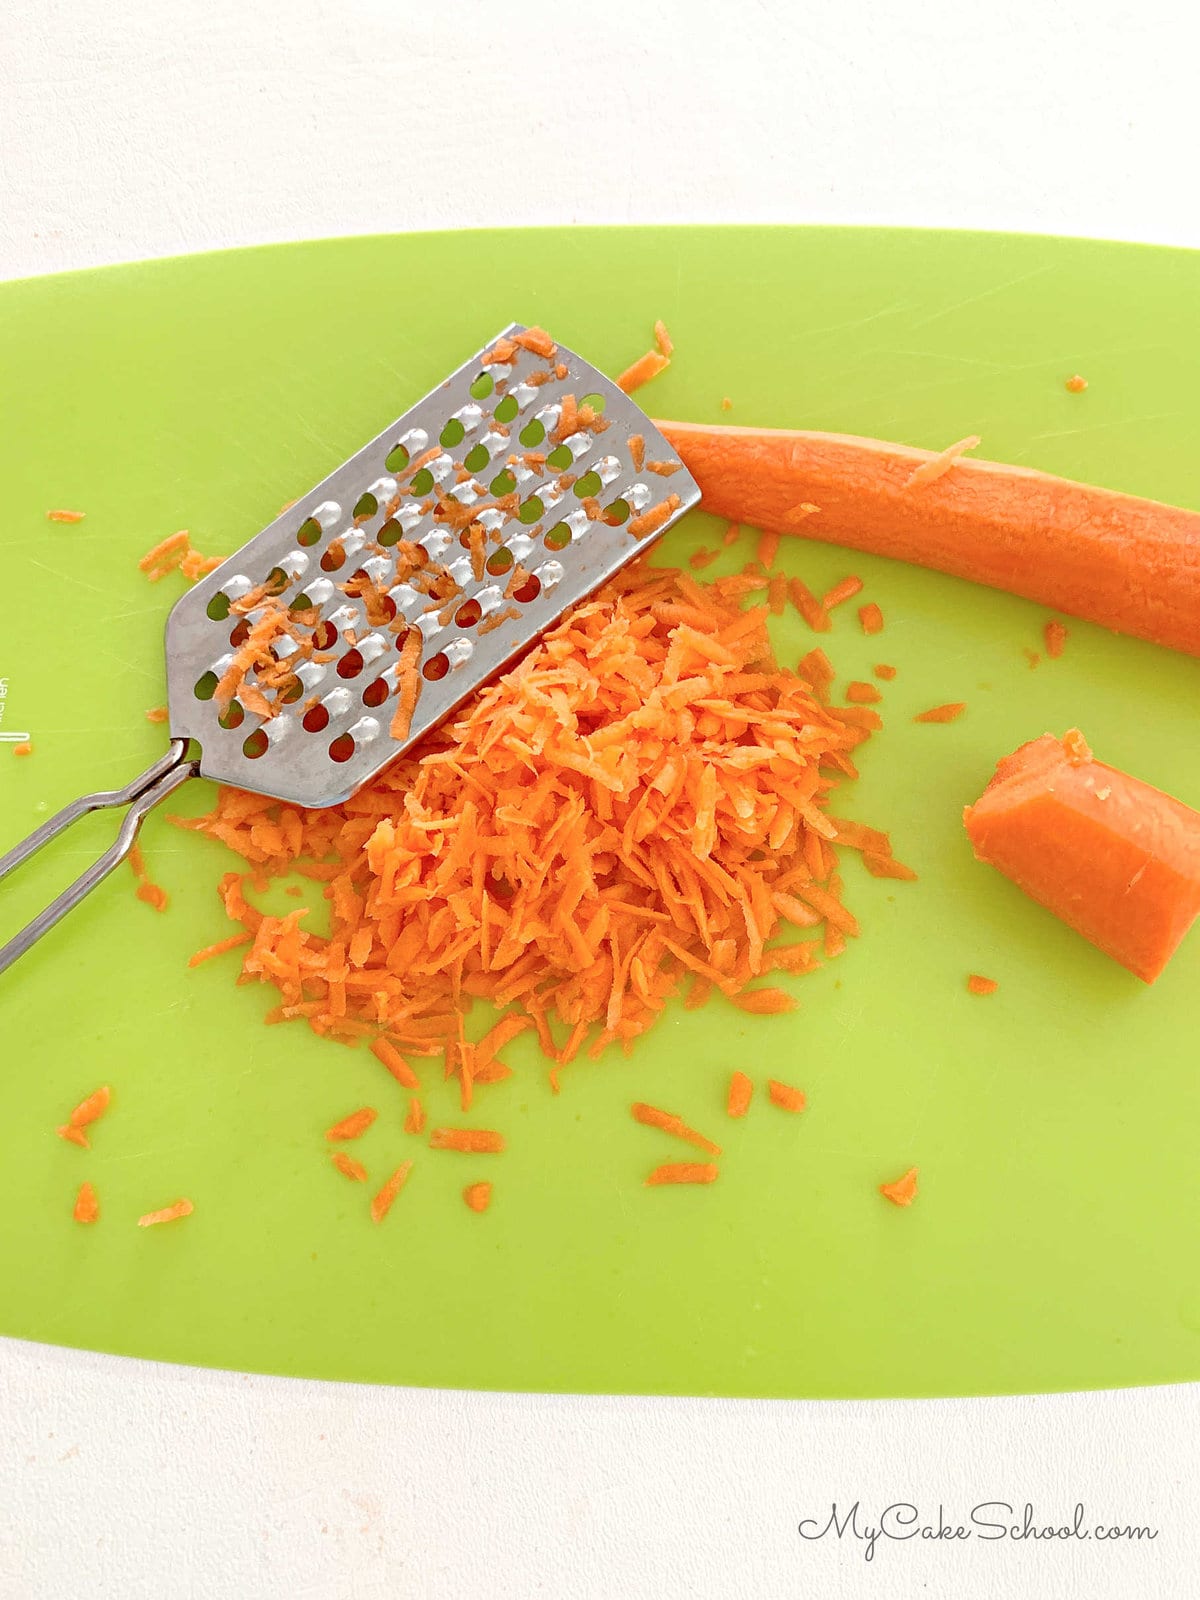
[1056, 1124]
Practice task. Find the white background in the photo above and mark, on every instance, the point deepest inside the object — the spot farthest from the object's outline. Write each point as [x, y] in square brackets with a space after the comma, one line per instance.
[149, 127]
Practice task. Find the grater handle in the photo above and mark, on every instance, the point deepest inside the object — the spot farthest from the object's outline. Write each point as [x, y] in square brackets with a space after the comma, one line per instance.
[140, 796]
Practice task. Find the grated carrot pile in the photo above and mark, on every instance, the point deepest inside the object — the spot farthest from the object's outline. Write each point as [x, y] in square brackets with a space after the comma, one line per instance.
[637, 806]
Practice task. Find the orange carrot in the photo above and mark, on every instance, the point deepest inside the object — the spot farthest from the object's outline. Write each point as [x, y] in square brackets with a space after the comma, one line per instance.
[472, 1141]
[731, 534]
[395, 1063]
[652, 1117]
[883, 670]
[23, 748]
[154, 895]
[651, 521]
[637, 450]
[65, 516]
[94, 1106]
[1115, 559]
[353, 1126]
[349, 1167]
[1056, 636]
[73, 1135]
[741, 1089]
[977, 984]
[702, 558]
[862, 694]
[809, 607]
[683, 1172]
[764, 1002]
[478, 1196]
[1115, 859]
[768, 549]
[643, 369]
[157, 714]
[902, 1191]
[219, 949]
[870, 618]
[382, 1203]
[946, 713]
[87, 1206]
[171, 1213]
[845, 590]
[785, 1097]
[414, 1122]
[663, 339]
[1075, 384]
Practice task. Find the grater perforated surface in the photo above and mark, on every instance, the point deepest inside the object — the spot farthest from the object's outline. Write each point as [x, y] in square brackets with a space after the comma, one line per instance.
[432, 557]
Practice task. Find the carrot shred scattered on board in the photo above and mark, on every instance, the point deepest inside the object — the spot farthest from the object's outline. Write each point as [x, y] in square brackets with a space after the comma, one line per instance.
[349, 1167]
[703, 557]
[785, 1096]
[902, 1191]
[870, 618]
[931, 471]
[171, 1213]
[65, 516]
[73, 1135]
[153, 894]
[471, 1141]
[768, 549]
[683, 1172]
[382, 1203]
[157, 714]
[977, 984]
[862, 694]
[353, 1126]
[222, 946]
[1076, 384]
[652, 1117]
[23, 748]
[395, 1063]
[809, 607]
[881, 669]
[663, 339]
[414, 1122]
[741, 1089]
[651, 521]
[642, 370]
[87, 1205]
[946, 713]
[726, 403]
[1055, 634]
[731, 533]
[478, 1196]
[845, 590]
[637, 450]
[91, 1108]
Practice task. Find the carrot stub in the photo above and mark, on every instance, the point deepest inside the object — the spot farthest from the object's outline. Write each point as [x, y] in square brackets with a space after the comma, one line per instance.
[1112, 857]
[683, 1172]
[478, 1196]
[652, 1117]
[901, 1191]
[353, 1126]
[87, 1206]
[741, 1089]
[785, 1097]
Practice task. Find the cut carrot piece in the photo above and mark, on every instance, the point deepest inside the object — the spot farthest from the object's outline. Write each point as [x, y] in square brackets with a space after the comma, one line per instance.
[1113, 858]
[94, 1106]
[87, 1206]
[643, 369]
[683, 1172]
[902, 1191]
[652, 1117]
[382, 1203]
[809, 607]
[663, 339]
[23, 748]
[862, 694]
[870, 618]
[73, 1135]
[946, 713]
[414, 1122]
[977, 984]
[221, 947]
[353, 1126]
[171, 1213]
[1056, 636]
[1123, 562]
[882, 670]
[764, 1002]
[845, 590]
[741, 1089]
[65, 516]
[395, 1063]
[785, 1097]
[768, 549]
[472, 1141]
[153, 894]
[1075, 384]
[651, 521]
[886, 866]
[478, 1196]
[349, 1167]
[730, 535]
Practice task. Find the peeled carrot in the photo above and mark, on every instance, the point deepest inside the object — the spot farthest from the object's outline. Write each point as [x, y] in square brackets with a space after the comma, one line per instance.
[1115, 559]
[740, 1091]
[785, 1096]
[902, 1191]
[353, 1126]
[652, 1117]
[1113, 858]
[683, 1172]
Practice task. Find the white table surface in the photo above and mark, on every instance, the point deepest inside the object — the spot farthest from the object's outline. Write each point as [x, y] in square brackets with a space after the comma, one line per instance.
[147, 127]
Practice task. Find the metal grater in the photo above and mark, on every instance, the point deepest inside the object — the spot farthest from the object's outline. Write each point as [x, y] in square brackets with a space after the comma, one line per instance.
[577, 504]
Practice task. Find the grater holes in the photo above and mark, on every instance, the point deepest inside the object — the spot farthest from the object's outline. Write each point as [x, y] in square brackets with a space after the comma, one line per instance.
[376, 693]
[255, 744]
[315, 719]
[436, 667]
[468, 614]
[292, 692]
[499, 562]
[239, 634]
[596, 401]
[342, 748]
[476, 458]
[560, 458]
[482, 386]
[351, 664]
[324, 635]
[232, 717]
[309, 533]
[365, 506]
[218, 607]
[397, 458]
[507, 409]
[531, 510]
[391, 533]
[300, 603]
[616, 513]
[529, 590]
[206, 686]
[452, 433]
[532, 433]
[586, 486]
[422, 481]
[503, 483]
[277, 581]
[559, 537]
[334, 558]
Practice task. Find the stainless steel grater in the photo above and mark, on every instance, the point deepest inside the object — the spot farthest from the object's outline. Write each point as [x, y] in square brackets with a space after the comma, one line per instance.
[446, 546]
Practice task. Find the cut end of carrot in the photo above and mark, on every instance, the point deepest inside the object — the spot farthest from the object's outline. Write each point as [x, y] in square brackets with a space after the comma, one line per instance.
[87, 1206]
[478, 1196]
[977, 984]
[785, 1096]
[353, 1126]
[171, 1213]
[682, 1172]
[901, 1191]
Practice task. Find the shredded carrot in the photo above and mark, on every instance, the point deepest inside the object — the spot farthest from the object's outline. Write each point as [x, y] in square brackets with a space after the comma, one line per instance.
[1055, 634]
[663, 469]
[349, 1167]
[785, 1097]
[93, 1107]
[1076, 384]
[946, 713]
[764, 1002]
[24, 748]
[845, 590]
[702, 558]
[1031, 656]
[741, 1088]
[902, 1191]
[651, 521]
[153, 894]
[930, 471]
[731, 534]
[637, 450]
[65, 516]
[171, 1213]
[499, 618]
[768, 549]
[472, 1141]
[73, 1135]
[870, 618]
[234, 941]
[652, 1117]
[414, 1122]
[399, 1068]
[980, 985]
[862, 694]
[87, 1206]
[157, 714]
[537, 340]
[726, 403]
[809, 607]
[663, 339]
[642, 370]
[683, 1172]
[353, 1126]
[886, 866]
[382, 1203]
[1076, 748]
[881, 669]
[410, 685]
[478, 1196]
